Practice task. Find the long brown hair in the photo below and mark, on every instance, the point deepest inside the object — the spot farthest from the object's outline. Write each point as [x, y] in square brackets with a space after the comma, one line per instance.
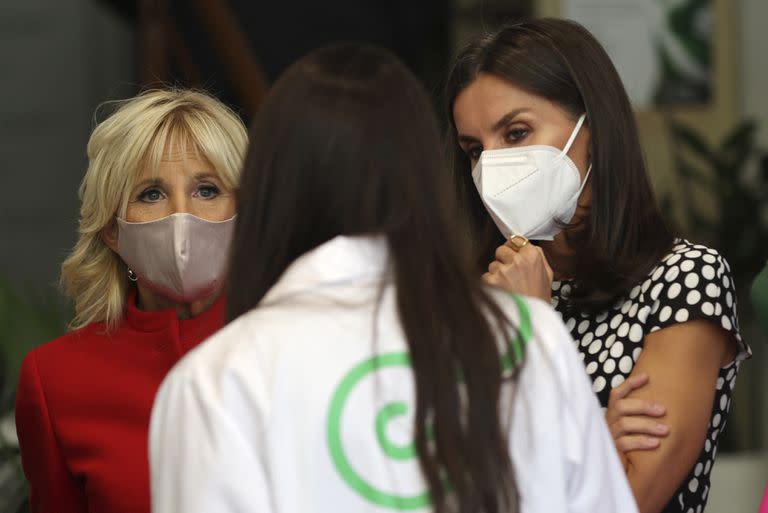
[347, 143]
[624, 234]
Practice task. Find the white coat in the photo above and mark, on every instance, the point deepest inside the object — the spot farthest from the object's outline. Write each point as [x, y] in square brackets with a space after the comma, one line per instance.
[294, 407]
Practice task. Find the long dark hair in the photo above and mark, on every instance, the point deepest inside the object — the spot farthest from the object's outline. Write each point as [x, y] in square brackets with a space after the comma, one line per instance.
[347, 143]
[624, 234]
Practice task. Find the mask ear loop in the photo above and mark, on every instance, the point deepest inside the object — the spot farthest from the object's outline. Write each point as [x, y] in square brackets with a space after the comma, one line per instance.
[584, 182]
[568, 145]
[572, 138]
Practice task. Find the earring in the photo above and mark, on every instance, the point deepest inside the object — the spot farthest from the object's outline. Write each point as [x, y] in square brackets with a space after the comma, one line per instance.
[132, 275]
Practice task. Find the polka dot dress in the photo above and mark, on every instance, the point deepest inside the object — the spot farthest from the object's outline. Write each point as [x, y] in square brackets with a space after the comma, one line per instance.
[692, 282]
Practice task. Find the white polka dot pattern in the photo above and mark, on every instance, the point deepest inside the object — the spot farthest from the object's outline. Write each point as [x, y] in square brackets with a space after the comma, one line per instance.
[692, 282]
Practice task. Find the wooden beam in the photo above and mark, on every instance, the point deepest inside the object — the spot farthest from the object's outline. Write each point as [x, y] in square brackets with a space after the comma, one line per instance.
[153, 63]
[236, 55]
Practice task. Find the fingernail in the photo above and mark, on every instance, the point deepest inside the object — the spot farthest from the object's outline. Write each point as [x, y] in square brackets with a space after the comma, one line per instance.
[657, 408]
[652, 442]
[661, 428]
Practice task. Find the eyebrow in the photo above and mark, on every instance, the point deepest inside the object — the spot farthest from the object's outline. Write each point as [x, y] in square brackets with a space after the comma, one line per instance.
[159, 181]
[148, 182]
[506, 118]
[206, 175]
[501, 123]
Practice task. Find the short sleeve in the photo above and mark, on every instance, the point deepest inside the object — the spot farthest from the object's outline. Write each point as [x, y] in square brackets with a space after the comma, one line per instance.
[692, 282]
[52, 486]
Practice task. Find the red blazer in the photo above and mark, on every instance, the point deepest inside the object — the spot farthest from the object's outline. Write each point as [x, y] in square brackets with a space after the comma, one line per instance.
[83, 407]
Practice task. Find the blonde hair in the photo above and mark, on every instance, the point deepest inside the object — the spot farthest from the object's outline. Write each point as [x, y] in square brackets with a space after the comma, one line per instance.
[134, 136]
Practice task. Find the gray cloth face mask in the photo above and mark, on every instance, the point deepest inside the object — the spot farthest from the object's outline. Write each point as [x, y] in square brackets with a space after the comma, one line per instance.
[182, 257]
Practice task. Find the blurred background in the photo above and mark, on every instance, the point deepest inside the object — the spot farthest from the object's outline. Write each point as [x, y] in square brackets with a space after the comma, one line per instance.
[695, 70]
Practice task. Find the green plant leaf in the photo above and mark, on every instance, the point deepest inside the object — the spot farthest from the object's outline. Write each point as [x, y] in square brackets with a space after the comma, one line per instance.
[737, 147]
[24, 324]
[694, 175]
[690, 139]
[682, 21]
[742, 136]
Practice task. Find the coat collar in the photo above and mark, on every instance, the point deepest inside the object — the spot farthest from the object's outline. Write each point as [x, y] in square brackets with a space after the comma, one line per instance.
[342, 260]
[142, 320]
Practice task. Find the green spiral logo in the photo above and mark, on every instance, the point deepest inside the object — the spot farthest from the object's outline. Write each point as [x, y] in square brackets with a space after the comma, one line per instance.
[392, 410]
[385, 414]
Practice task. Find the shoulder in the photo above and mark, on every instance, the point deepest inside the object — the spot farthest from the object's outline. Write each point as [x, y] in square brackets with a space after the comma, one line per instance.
[690, 265]
[232, 372]
[53, 373]
[689, 275]
[549, 349]
[68, 366]
[239, 341]
[536, 319]
[691, 282]
[232, 353]
[552, 381]
[301, 327]
[70, 346]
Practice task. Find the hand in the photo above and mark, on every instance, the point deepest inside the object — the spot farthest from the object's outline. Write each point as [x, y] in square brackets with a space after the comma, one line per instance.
[632, 422]
[521, 268]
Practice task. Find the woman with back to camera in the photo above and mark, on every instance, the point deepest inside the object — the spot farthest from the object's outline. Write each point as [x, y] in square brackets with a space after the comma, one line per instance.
[145, 276]
[545, 141]
[366, 368]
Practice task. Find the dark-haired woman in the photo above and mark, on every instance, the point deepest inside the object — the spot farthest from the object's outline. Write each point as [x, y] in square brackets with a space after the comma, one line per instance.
[366, 368]
[546, 143]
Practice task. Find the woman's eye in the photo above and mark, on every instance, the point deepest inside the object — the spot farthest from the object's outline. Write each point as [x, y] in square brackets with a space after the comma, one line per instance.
[208, 191]
[516, 134]
[474, 153]
[151, 195]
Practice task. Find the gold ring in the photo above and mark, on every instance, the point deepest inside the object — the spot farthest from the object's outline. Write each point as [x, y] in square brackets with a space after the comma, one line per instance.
[518, 242]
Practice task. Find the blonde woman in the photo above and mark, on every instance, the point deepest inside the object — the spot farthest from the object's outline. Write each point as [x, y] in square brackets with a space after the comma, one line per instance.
[145, 276]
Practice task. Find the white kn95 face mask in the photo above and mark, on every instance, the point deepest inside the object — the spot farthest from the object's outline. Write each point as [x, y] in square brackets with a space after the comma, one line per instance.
[530, 190]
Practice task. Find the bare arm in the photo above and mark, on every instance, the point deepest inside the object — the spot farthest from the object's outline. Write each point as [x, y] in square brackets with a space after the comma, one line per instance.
[682, 362]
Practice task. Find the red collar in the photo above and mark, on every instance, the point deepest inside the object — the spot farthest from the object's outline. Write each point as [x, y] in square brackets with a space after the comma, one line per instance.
[142, 320]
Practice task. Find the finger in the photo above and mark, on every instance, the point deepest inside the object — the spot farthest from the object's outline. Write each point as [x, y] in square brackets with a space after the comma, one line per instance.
[637, 443]
[638, 426]
[494, 267]
[517, 242]
[633, 407]
[490, 279]
[631, 383]
[513, 274]
[505, 254]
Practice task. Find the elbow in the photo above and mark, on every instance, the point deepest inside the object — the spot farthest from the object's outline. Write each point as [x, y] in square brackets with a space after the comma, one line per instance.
[651, 492]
